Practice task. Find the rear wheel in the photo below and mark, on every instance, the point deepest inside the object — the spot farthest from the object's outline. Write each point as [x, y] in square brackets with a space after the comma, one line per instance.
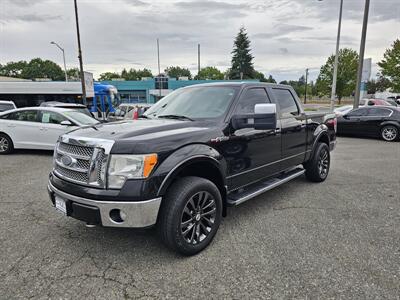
[6, 144]
[389, 133]
[317, 168]
[190, 215]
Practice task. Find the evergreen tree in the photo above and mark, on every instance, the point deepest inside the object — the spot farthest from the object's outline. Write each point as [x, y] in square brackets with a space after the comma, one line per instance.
[242, 60]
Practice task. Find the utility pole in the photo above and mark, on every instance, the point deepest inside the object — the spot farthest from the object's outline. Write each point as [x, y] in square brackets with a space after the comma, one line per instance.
[159, 67]
[361, 55]
[198, 60]
[305, 90]
[80, 55]
[335, 66]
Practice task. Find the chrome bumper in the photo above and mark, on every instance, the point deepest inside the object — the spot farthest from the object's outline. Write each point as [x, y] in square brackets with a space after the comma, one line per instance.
[136, 214]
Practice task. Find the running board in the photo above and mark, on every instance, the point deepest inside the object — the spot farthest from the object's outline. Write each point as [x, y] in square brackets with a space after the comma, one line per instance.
[254, 190]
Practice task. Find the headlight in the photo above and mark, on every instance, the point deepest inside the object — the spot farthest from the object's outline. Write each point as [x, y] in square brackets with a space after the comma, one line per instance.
[123, 167]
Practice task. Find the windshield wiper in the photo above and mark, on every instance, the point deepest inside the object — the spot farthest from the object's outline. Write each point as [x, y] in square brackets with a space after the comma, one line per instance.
[177, 117]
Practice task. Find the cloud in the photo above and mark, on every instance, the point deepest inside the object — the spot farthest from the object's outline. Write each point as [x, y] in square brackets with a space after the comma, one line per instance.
[22, 3]
[279, 30]
[284, 50]
[136, 3]
[31, 18]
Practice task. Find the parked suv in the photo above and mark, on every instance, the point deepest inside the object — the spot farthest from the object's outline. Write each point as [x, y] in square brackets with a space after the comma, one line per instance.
[194, 153]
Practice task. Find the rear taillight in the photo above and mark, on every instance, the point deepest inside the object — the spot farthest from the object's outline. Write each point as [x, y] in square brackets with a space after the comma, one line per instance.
[332, 123]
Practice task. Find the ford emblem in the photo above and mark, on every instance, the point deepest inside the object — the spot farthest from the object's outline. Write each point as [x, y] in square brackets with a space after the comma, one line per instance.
[67, 161]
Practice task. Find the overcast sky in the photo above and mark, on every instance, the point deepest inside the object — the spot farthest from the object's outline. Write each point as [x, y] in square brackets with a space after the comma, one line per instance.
[287, 36]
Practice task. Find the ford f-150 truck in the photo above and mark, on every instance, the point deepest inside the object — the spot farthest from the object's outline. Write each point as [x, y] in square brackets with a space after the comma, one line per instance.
[191, 155]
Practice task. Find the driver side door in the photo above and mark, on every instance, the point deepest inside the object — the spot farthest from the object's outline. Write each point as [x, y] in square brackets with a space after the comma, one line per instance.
[251, 154]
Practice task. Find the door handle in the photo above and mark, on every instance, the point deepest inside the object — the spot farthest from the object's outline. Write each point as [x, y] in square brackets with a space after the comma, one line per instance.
[11, 125]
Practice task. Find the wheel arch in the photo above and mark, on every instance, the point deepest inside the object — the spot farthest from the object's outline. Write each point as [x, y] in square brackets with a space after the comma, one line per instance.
[201, 166]
[321, 136]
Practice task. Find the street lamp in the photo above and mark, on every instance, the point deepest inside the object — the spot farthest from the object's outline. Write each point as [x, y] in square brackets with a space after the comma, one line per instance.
[65, 67]
[335, 66]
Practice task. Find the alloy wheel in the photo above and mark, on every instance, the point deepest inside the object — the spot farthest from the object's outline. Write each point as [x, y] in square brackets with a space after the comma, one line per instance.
[4, 145]
[389, 133]
[323, 163]
[198, 217]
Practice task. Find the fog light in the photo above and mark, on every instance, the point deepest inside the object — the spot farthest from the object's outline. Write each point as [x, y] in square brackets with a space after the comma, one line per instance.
[117, 216]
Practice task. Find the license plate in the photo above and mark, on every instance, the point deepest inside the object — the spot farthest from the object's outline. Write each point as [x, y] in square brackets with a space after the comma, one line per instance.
[61, 205]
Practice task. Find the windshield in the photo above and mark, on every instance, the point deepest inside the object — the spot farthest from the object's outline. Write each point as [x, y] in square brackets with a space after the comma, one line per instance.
[81, 118]
[194, 102]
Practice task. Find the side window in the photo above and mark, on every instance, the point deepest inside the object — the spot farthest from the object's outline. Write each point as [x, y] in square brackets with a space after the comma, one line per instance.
[379, 112]
[25, 115]
[249, 99]
[49, 117]
[285, 101]
[358, 112]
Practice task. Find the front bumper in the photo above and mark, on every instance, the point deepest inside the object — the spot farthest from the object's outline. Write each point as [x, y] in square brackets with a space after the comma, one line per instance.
[107, 213]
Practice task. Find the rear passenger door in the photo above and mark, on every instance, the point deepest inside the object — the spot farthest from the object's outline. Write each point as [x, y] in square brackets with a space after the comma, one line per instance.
[293, 125]
[370, 124]
[23, 128]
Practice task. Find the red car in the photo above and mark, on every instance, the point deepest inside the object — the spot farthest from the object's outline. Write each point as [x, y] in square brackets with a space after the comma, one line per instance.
[372, 102]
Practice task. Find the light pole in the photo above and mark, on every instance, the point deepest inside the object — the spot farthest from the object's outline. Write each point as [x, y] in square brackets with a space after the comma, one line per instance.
[65, 67]
[361, 55]
[80, 55]
[335, 66]
[305, 90]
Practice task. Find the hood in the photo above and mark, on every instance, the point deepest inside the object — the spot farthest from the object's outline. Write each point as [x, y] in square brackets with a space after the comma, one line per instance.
[149, 135]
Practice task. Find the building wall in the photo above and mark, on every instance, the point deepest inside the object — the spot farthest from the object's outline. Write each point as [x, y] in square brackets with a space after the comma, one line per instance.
[145, 90]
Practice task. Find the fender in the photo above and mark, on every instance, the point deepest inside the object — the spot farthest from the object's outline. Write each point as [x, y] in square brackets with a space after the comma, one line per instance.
[186, 156]
[320, 132]
[393, 123]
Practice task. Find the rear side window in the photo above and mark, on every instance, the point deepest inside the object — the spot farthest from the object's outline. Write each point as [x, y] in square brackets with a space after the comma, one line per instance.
[285, 101]
[249, 99]
[24, 115]
[379, 112]
[358, 112]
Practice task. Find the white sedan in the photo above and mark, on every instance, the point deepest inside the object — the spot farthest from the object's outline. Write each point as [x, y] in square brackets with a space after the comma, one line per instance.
[38, 127]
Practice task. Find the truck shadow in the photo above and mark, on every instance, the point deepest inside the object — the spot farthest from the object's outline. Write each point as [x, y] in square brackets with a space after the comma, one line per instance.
[136, 244]
[31, 152]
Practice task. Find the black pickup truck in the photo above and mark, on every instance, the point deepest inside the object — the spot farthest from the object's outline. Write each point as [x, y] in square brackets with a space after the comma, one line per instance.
[191, 155]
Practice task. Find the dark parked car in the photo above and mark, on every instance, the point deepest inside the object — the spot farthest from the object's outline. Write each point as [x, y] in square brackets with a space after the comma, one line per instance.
[377, 121]
[191, 155]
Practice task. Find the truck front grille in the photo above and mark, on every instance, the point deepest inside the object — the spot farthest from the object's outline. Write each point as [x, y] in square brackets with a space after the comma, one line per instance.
[80, 164]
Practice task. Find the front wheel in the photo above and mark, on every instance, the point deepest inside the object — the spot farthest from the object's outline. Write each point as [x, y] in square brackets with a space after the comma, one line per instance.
[389, 133]
[317, 168]
[190, 215]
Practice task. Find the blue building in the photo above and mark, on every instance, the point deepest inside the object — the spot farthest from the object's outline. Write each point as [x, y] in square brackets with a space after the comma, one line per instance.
[152, 89]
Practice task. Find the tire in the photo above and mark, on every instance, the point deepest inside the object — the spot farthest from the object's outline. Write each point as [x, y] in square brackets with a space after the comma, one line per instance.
[317, 168]
[389, 133]
[190, 215]
[6, 144]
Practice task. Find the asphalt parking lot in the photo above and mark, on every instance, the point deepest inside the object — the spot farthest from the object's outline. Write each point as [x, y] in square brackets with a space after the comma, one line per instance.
[338, 239]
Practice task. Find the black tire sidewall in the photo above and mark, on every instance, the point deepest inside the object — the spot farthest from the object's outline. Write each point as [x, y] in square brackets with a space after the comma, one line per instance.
[312, 171]
[182, 190]
[390, 126]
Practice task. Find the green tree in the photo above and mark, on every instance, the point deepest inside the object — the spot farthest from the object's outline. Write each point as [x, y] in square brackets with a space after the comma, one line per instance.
[176, 72]
[390, 65]
[13, 69]
[107, 76]
[38, 68]
[270, 79]
[73, 74]
[259, 75]
[242, 59]
[347, 74]
[211, 73]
